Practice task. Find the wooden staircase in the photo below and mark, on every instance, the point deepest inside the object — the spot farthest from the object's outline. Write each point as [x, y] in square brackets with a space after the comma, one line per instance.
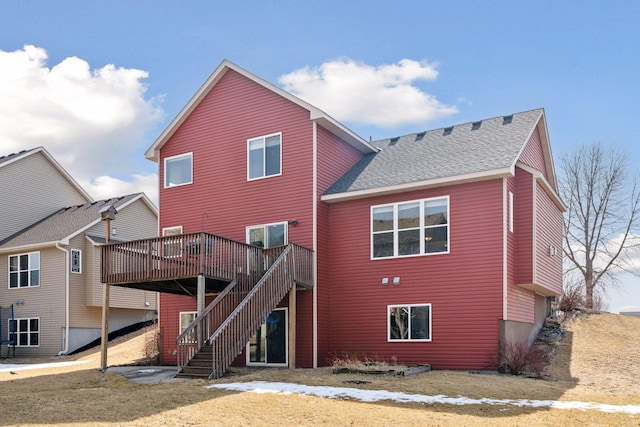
[218, 335]
[200, 364]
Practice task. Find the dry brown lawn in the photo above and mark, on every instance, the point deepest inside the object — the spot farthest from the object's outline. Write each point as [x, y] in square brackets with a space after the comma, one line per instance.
[598, 361]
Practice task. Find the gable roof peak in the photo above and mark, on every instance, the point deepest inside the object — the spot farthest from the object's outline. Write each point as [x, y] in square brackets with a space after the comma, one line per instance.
[315, 114]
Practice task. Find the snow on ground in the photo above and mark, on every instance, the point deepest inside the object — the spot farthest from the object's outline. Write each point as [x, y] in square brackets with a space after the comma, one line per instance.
[378, 395]
[23, 367]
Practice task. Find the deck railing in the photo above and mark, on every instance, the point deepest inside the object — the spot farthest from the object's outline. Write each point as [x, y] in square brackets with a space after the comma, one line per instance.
[230, 319]
[175, 257]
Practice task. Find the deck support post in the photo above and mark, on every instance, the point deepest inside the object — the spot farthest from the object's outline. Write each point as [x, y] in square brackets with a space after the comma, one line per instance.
[200, 294]
[292, 327]
[105, 328]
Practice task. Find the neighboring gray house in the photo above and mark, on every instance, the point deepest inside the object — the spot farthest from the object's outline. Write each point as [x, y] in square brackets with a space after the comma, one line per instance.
[50, 238]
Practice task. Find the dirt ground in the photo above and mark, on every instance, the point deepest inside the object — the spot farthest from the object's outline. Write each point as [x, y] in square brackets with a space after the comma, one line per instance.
[598, 361]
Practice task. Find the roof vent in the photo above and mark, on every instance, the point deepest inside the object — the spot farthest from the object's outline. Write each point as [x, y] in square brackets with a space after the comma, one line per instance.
[420, 135]
[447, 131]
[507, 119]
[476, 125]
[392, 141]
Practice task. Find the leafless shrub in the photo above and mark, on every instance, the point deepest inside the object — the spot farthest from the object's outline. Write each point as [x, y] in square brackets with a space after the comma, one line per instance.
[152, 341]
[572, 297]
[517, 358]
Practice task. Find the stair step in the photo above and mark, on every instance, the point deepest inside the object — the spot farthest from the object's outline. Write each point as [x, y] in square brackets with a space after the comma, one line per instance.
[193, 375]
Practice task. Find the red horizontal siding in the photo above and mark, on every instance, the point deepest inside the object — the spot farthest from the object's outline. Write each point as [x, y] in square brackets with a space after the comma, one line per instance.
[523, 226]
[548, 269]
[464, 287]
[221, 200]
[532, 154]
[169, 319]
[334, 158]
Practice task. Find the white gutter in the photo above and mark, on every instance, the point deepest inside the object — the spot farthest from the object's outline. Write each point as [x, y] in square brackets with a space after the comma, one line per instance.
[66, 303]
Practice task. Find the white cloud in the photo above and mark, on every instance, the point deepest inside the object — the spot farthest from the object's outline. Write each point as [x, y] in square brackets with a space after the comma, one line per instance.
[92, 121]
[383, 96]
[104, 186]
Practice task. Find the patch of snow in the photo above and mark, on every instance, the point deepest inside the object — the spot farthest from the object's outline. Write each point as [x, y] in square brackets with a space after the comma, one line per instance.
[24, 367]
[378, 395]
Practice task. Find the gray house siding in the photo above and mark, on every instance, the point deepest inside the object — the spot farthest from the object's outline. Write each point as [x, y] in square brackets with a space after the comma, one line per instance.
[45, 302]
[31, 189]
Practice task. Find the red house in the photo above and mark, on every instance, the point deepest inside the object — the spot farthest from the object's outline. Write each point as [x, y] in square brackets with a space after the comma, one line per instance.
[288, 240]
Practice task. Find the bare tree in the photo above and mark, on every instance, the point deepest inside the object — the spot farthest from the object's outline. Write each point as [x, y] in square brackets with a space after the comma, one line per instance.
[603, 213]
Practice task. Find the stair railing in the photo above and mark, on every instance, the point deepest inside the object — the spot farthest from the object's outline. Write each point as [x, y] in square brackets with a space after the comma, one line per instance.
[233, 334]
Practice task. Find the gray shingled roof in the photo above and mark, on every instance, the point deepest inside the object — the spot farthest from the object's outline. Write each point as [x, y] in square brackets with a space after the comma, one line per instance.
[12, 156]
[63, 223]
[434, 155]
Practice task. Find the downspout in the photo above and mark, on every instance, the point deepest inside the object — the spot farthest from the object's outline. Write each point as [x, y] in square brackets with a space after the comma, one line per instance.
[66, 296]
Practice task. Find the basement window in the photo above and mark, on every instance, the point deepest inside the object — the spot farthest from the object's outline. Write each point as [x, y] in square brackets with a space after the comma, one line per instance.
[410, 322]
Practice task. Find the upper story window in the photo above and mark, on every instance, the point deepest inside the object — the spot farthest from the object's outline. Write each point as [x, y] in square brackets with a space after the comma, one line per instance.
[24, 270]
[76, 261]
[419, 227]
[264, 156]
[178, 170]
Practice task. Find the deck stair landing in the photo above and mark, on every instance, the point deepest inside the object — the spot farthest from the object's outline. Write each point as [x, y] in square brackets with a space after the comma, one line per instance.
[218, 335]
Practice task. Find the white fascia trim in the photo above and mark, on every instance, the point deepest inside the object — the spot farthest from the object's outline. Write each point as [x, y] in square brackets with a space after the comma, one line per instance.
[541, 125]
[546, 186]
[153, 152]
[29, 248]
[505, 270]
[546, 148]
[420, 185]
[315, 244]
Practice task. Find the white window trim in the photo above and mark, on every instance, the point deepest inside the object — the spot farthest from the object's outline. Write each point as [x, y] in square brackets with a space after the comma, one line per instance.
[17, 333]
[176, 157]
[165, 229]
[390, 306]
[30, 270]
[164, 234]
[264, 137]
[286, 345]
[421, 226]
[180, 330]
[264, 226]
[79, 263]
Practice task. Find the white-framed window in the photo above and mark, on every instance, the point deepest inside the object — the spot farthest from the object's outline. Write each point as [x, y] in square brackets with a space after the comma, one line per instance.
[267, 235]
[418, 227]
[269, 344]
[25, 332]
[178, 170]
[409, 322]
[186, 318]
[264, 156]
[76, 261]
[24, 270]
[172, 247]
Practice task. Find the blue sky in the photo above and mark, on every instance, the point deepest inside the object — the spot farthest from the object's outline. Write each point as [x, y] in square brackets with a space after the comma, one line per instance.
[141, 61]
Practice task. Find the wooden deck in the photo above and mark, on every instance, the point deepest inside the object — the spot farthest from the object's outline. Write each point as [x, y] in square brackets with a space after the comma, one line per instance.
[173, 263]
